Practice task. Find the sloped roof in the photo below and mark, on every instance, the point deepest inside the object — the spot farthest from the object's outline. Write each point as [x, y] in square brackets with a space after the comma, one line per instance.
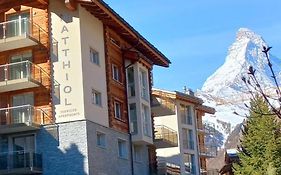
[109, 17]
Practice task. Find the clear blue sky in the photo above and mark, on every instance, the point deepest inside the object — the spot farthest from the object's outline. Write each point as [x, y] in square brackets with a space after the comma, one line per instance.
[195, 34]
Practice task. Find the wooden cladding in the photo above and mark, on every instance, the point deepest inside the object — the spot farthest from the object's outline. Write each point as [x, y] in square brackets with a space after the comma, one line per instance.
[116, 90]
[40, 57]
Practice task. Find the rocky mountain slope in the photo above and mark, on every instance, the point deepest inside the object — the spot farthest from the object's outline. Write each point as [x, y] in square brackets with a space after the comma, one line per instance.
[226, 92]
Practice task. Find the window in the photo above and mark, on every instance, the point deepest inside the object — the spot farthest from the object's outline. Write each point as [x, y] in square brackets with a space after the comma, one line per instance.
[144, 86]
[137, 153]
[186, 114]
[146, 121]
[189, 163]
[101, 140]
[118, 110]
[133, 118]
[96, 98]
[188, 141]
[94, 57]
[116, 73]
[122, 149]
[131, 82]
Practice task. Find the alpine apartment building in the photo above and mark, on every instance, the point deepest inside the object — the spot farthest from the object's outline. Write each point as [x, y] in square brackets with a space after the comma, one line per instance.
[180, 133]
[75, 90]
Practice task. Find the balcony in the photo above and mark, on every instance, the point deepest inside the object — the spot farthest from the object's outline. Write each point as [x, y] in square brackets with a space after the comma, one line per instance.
[20, 163]
[20, 33]
[162, 107]
[165, 137]
[21, 75]
[208, 151]
[21, 119]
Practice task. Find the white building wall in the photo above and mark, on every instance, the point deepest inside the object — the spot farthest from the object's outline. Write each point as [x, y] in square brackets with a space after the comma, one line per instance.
[94, 76]
[67, 65]
[175, 154]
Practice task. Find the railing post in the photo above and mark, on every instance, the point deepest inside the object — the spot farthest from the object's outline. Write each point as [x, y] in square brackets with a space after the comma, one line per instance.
[19, 25]
[4, 31]
[28, 69]
[29, 115]
[6, 74]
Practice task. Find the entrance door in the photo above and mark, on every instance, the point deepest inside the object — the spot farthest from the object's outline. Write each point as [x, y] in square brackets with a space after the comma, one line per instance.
[17, 24]
[19, 69]
[21, 114]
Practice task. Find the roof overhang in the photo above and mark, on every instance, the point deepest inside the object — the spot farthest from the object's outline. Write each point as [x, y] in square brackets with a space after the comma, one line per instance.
[110, 18]
[6, 5]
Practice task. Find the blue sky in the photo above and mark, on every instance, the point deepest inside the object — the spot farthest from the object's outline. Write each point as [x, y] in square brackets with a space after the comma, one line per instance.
[195, 34]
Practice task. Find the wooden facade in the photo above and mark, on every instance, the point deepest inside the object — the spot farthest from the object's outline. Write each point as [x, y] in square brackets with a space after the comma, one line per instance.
[41, 67]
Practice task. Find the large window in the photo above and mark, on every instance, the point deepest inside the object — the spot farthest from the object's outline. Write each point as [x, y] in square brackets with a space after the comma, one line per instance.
[122, 149]
[131, 82]
[133, 119]
[189, 163]
[188, 141]
[144, 84]
[186, 114]
[94, 57]
[146, 121]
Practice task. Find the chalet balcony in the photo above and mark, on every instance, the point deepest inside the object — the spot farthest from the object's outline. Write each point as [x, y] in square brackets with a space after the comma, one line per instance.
[162, 107]
[208, 151]
[21, 75]
[20, 163]
[165, 137]
[20, 33]
[21, 119]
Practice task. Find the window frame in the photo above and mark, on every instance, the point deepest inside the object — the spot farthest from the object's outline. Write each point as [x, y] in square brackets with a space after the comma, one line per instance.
[94, 59]
[94, 99]
[123, 154]
[120, 109]
[117, 77]
[99, 144]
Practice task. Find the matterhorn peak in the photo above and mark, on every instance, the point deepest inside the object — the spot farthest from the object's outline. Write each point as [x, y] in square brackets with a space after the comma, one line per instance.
[245, 51]
[247, 34]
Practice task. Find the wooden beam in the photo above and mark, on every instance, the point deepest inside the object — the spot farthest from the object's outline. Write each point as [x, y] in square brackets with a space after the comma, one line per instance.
[71, 4]
[43, 2]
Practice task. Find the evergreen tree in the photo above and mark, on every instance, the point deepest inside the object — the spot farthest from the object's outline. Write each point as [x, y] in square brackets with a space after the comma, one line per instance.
[260, 149]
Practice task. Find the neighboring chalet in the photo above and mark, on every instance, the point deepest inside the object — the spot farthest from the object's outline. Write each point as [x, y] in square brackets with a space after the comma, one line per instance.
[180, 133]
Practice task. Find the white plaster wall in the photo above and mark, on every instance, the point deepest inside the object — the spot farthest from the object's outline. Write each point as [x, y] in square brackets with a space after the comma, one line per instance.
[94, 76]
[65, 28]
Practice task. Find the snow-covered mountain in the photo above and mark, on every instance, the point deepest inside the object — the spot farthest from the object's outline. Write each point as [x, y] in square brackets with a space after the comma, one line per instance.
[225, 91]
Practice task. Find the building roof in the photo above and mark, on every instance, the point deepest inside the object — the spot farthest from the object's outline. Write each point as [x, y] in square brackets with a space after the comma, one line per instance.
[108, 16]
[176, 95]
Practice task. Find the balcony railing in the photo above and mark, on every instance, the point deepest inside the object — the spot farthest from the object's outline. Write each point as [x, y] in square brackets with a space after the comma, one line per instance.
[20, 163]
[22, 75]
[165, 137]
[23, 32]
[208, 151]
[188, 144]
[22, 118]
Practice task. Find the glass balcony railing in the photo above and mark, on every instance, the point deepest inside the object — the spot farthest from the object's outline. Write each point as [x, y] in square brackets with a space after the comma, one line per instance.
[20, 163]
[166, 135]
[22, 75]
[22, 118]
[209, 151]
[23, 32]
